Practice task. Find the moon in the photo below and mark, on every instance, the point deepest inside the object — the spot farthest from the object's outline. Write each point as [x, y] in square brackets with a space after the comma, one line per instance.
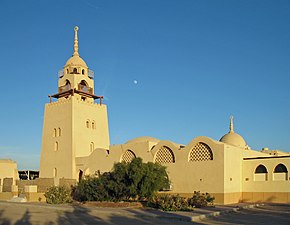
[135, 82]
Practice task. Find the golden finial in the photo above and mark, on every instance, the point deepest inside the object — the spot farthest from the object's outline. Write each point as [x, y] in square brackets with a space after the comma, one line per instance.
[76, 42]
[231, 124]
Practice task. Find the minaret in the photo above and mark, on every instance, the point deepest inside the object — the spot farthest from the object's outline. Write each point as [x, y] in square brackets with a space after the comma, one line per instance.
[232, 124]
[74, 125]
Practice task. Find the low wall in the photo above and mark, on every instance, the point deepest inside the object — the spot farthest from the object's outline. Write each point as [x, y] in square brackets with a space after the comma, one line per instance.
[271, 197]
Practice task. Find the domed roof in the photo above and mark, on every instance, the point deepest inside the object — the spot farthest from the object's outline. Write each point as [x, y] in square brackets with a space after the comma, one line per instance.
[76, 60]
[233, 138]
[142, 139]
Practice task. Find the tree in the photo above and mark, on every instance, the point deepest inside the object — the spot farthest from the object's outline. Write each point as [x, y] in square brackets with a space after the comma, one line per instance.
[134, 180]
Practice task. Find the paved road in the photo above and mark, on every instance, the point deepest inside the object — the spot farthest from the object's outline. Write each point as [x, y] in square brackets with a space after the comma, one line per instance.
[42, 214]
[266, 214]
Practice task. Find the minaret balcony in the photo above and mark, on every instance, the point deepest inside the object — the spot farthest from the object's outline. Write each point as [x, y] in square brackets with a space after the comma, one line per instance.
[85, 88]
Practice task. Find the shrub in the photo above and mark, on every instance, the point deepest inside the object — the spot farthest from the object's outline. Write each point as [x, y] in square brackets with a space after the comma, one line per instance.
[178, 203]
[170, 203]
[199, 200]
[58, 195]
[134, 180]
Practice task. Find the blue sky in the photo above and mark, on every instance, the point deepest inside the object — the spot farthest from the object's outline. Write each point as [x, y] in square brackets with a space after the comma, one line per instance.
[195, 63]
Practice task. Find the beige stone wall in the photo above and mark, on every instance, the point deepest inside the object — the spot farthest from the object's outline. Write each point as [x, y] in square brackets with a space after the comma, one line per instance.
[8, 169]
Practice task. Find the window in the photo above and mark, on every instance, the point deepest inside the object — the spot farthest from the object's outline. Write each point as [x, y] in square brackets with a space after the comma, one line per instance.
[67, 71]
[88, 124]
[280, 172]
[93, 125]
[54, 132]
[54, 172]
[164, 156]
[75, 71]
[59, 132]
[200, 152]
[56, 146]
[92, 146]
[261, 173]
[83, 72]
[128, 156]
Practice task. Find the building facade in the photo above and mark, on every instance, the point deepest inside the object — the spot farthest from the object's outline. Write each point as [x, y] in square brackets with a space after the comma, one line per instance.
[76, 143]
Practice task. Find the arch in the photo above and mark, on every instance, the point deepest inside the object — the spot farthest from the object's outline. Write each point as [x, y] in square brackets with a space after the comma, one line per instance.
[261, 173]
[54, 172]
[54, 132]
[67, 85]
[83, 71]
[83, 86]
[93, 125]
[81, 173]
[280, 168]
[56, 146]
[164, 156]
[92, 146]
[261, 169]
[75, 71]
[128, 156]
[67, 71]
[59, 132]
[280, 173]
[200, 152]
[88, 123]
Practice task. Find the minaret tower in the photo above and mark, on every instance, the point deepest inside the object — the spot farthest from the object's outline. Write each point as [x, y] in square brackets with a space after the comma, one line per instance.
[74, 125]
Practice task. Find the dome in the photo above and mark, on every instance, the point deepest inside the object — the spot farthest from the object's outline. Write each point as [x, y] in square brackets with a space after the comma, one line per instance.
[233, 138]
[76, 60]
[142, 139]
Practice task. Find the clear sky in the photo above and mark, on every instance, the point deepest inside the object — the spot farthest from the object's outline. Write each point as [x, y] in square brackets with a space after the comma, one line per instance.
[171, 69]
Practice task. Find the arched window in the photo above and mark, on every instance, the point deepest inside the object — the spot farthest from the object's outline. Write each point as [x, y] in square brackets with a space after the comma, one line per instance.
[67, 72]
[67, 85]
[200, 152]
[164, 156]
[128, 156]
[55, 172]
[261, 173]
[75, 71]
[92, 146]
[88, 124]
[280, 172]
[56, 146]
[83, 86]
[59, 132]
[80, 175]
[83, 71]
[54, 132]
[93, 125]
[261, 169]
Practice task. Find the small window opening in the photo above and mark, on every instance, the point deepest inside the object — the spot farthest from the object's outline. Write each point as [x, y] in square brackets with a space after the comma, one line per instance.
[75, 71]
[88, 124]
[92, 146]
[55, 172]
[83, 98]
[59, 132]
[83, 72]
[54, 132]
[56, 146]
[93, 125]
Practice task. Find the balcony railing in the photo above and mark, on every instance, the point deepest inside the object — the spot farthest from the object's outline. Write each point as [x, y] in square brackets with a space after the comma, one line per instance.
[85, 88]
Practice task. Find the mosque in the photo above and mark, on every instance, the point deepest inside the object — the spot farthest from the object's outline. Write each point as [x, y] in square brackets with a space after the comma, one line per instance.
[76, 143]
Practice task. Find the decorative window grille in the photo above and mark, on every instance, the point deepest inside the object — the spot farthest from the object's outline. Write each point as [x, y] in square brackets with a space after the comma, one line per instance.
[164, 156]
[128, 156]
[200, 152]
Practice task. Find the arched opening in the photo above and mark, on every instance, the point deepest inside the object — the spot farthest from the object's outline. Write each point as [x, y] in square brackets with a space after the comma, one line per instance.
[261, 173]
[280, 172]
[56, 146]
[200, 152]
[83, 86]
[80, 175]
[75, 71]
[59, 132]
[164, 156]
[67, 71]
[54, 172]
[93, 125]
[88, 124]
[92, 146]
[54, 132]
[67, 85]
[83, 71]
[128, 156]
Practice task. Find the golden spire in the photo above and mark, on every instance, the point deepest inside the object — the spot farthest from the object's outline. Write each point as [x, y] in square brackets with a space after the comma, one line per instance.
[232, 124]
[76, 42]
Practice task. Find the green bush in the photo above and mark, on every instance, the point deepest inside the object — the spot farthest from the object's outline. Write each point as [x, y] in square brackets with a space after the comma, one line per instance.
[178, 203]
[58, 195]
[170, 203]
[127, 181]
[199, 200]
